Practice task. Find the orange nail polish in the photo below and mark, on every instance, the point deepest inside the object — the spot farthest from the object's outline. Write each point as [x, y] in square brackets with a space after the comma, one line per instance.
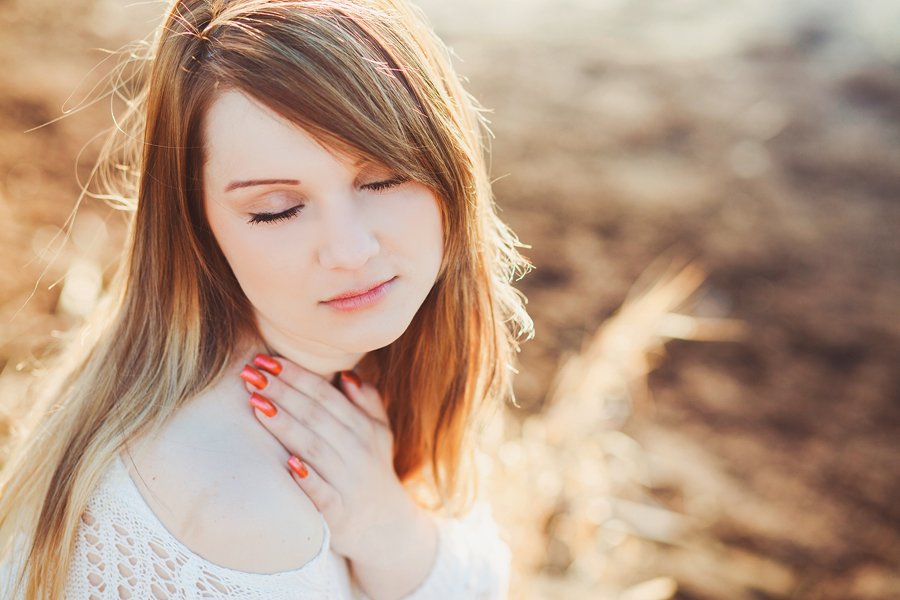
[254, 377]
[267, 363]
[263, 404]
[297, 467]
[352, 378]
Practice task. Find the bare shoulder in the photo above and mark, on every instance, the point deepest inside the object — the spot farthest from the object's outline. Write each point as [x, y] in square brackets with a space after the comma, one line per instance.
[219, 484]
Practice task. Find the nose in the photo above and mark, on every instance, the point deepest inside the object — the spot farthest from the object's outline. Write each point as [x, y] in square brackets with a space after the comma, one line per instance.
[346, 240]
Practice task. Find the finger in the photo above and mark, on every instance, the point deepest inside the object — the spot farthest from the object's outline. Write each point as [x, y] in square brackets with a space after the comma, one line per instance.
[268, 364]
[311, 413]
[297, 438]
[318, 388]
[322, 494]
[255, 378]
[365, 396]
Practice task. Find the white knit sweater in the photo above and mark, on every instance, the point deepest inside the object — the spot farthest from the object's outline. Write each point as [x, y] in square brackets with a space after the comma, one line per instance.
[123, 551]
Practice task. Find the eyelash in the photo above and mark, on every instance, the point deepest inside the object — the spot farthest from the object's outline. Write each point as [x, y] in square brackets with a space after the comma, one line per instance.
[378, 186]
[275, 217]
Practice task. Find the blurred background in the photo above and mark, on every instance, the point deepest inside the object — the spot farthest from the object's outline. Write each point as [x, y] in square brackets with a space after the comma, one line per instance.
[729, 429]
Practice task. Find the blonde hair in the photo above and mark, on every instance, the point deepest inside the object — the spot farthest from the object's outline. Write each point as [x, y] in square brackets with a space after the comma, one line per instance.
[376, 83]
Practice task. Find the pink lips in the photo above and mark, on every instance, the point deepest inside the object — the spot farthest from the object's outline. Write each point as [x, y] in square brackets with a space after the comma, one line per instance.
[359, 299]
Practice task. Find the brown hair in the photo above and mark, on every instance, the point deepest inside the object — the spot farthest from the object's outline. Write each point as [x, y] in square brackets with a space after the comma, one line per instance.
[364, 76]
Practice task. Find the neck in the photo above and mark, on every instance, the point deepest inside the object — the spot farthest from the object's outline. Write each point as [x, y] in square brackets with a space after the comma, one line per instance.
[323, 361]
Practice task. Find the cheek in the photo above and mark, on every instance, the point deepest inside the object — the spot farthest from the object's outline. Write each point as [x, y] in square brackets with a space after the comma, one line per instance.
[227, 234]
[438, 238]
[253, 257]
[425, 230]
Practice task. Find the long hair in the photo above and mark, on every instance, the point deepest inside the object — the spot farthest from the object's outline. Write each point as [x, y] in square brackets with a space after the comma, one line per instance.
[367, 77]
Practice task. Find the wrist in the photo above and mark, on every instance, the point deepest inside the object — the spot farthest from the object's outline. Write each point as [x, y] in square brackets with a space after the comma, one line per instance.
[405, 560]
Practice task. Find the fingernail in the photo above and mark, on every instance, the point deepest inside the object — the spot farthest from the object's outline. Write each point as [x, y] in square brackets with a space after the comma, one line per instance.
[352, 377]
[254, 377]
[263, 404]
[267, 363]
[297, 467]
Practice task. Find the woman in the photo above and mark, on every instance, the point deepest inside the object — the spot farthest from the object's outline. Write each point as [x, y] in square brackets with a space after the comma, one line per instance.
[313, 314]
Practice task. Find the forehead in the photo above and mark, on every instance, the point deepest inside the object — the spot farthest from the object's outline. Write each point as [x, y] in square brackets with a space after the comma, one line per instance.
[244, 137]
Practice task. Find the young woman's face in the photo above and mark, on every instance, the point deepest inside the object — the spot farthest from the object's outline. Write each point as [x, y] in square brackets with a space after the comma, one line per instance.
[335, 255]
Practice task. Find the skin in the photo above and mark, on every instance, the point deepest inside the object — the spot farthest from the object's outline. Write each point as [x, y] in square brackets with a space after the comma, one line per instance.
[358, 224]
[346, 236]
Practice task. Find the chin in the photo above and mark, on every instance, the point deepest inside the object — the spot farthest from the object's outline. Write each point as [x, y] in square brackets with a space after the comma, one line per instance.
[371, 336]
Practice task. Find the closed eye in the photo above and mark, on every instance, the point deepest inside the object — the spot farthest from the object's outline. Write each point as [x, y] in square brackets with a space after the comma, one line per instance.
[274, 217]
[380, 186]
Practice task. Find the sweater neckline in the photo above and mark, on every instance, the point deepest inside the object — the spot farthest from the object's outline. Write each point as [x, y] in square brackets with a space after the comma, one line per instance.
[137, 501]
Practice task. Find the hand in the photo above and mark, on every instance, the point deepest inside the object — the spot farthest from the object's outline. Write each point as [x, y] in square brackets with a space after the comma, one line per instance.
[346, 443]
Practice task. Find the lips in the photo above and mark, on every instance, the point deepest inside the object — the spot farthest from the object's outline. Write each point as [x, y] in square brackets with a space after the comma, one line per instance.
[362, 291]
[360, 298]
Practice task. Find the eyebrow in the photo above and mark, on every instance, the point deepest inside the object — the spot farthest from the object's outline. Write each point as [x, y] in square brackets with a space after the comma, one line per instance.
[251, 182]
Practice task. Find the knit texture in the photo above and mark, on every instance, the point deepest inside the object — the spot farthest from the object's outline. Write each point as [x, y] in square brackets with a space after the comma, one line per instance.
[123, 551]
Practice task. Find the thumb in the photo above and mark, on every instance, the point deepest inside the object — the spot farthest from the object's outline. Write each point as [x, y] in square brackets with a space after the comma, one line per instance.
[364, 395]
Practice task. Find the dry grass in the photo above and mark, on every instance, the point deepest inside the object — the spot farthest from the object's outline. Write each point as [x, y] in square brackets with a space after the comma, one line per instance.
[568, 486]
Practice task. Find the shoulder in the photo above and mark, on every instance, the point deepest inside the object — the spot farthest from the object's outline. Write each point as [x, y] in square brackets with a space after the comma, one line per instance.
[218, 483]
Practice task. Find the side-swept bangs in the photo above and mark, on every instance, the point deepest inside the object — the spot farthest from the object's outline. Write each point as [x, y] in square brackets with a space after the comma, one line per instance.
[359, 82]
